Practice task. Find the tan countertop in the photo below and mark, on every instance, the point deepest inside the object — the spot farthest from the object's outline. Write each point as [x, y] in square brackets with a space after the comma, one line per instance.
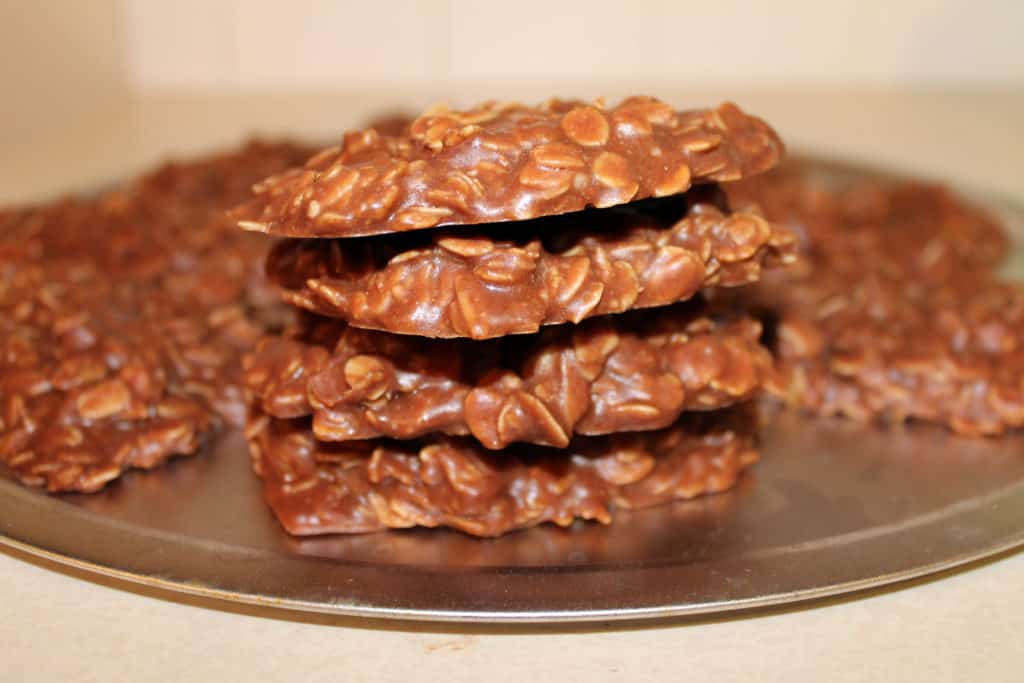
[59, 624]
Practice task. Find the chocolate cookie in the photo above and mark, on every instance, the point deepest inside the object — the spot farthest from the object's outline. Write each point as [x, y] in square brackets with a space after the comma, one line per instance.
[635, 371]
[122, 319]
[512, 280]
[875, 349]
[363, 486]
[504, 162]
[893, 310]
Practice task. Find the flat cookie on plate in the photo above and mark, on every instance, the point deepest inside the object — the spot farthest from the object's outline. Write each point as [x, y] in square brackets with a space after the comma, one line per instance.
[362, 486]
[122, 319]
[893, 310]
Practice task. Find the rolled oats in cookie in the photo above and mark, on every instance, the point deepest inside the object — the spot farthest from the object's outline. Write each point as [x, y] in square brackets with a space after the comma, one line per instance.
[509, 162]
[122, 319]
[904, 229]
[893, 310]
[363, 486]
[500, 280]
[872, 349]
[636, 371]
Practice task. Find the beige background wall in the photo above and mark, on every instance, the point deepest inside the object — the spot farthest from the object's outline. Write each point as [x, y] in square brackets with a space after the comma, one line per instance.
[96, 89]
[456, 44]
[325, 44]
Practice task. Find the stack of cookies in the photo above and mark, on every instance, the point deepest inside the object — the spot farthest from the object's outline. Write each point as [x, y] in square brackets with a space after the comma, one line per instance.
[502, 321]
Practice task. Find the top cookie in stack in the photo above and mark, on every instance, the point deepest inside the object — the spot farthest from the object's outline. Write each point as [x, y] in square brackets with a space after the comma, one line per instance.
[490, 224]
[507, 162]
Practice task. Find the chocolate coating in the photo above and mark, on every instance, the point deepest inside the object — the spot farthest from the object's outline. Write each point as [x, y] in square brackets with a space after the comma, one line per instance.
[952, 355]
[363, 486]
[122, 319]
[893, 310]
[635, 371]
[509, 162]
[493, 282]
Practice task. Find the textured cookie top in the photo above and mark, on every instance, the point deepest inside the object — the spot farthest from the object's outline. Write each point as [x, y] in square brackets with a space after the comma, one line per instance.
[503, 162]
[903, 229]
[893, 310]
[122, 319]
[511, 279]
[874, 349]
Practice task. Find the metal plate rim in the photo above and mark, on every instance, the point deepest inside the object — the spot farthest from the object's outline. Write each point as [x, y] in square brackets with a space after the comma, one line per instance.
[61, 542]
[794, 597]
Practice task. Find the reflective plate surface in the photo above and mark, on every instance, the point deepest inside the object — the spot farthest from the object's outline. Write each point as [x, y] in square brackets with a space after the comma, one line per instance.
[833, 507]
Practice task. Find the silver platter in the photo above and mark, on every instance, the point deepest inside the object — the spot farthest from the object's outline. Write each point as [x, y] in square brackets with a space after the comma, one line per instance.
[834, 507]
